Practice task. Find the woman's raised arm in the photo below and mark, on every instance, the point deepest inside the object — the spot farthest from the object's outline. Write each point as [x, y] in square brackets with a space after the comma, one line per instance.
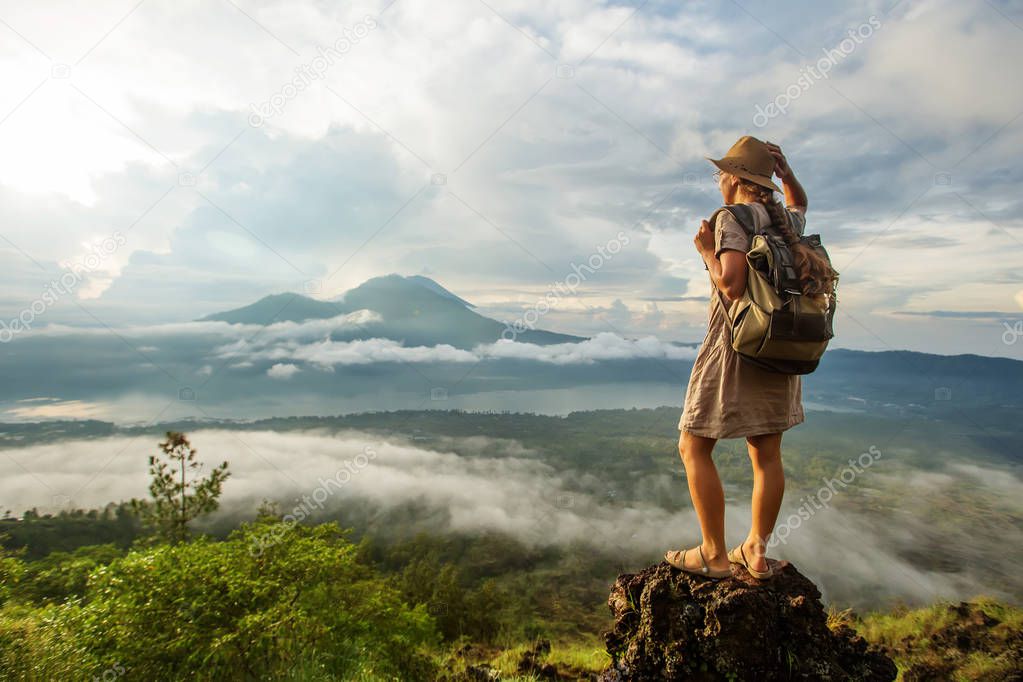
[795, 195]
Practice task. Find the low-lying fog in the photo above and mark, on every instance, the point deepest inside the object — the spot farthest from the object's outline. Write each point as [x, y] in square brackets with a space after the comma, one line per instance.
[497, 485]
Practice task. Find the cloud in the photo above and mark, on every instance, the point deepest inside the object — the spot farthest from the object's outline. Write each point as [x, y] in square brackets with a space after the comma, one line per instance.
[310, 342]
[282, 371]
[502, 177]
[970, 314]
[286, 331]
[53, 408]
[602, 347]
[326, 353]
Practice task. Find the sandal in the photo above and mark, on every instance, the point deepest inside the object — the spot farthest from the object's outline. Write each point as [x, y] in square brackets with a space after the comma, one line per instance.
[738, 556]
[706, 572]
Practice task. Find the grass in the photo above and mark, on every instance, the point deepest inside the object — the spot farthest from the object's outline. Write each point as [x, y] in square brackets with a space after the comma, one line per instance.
[950, 641]
[580, 655]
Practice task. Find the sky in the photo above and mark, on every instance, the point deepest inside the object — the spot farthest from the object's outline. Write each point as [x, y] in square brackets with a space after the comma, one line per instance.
[190, 157]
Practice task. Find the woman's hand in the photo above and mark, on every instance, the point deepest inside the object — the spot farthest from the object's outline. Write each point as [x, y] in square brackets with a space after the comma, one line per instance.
[795, 195]
[781, 164]
[704, 239]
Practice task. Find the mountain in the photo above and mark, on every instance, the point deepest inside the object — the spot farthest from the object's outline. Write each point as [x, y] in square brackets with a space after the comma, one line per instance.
[433, 286]
[415, 310]
[287, 307]
[234, 367]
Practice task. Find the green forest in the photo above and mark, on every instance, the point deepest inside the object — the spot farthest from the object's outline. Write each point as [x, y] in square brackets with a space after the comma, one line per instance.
[169, 586]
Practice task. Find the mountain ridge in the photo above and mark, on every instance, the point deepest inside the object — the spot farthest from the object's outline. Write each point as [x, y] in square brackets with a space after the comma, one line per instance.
[413, 309]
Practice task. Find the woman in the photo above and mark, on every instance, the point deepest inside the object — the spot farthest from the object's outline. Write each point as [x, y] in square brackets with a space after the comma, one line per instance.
[727, 397]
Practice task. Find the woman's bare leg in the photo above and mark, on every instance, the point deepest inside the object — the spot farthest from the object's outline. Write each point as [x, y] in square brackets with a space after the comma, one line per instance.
[768, 490]
[708, 498]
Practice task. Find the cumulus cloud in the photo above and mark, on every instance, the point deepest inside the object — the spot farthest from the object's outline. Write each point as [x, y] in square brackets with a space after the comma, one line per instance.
[141, 136]
[603, 346]
[283, 371]
[327, 353]
[330, 353]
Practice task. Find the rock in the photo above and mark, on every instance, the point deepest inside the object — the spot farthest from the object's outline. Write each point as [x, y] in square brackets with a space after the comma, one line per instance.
[481, 673]
[670, 625]
[531, 662]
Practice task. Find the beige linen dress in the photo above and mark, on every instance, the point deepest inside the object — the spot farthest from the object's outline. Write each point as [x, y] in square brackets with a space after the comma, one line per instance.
[728, 397]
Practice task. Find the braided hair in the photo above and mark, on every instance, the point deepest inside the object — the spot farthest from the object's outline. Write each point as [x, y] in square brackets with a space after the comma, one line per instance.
[815, 273]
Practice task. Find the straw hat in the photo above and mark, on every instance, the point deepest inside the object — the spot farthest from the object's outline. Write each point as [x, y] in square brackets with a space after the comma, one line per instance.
[749, 158]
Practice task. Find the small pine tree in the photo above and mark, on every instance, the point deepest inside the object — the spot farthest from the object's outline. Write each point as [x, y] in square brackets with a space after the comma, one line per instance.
[176, 500]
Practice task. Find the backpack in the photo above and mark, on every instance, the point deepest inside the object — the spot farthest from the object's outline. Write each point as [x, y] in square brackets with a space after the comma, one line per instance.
[774, 326]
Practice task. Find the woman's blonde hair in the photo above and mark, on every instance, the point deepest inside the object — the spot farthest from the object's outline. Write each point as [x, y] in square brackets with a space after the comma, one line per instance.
[816, 275]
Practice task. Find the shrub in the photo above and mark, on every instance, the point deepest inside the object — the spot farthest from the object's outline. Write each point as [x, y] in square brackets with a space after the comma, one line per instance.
[223, 610]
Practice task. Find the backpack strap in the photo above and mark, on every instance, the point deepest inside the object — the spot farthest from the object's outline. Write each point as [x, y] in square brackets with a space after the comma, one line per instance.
[785, 269]
[785, 273]
[743, 215]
